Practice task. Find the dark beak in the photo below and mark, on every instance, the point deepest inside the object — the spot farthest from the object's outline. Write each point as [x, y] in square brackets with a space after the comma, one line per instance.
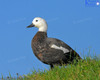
[31, 25]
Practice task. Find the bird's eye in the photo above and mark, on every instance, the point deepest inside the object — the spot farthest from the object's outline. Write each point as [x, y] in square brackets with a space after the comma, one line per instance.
[36, 20]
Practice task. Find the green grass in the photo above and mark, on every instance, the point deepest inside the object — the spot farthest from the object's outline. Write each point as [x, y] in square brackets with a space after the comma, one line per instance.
[89, 69]
[84, 70]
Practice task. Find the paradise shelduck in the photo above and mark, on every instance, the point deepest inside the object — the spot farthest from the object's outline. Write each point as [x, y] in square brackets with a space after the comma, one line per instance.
[50, 51]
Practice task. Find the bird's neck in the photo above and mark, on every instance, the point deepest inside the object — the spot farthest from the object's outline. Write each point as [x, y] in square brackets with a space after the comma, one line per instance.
[40, 36]
[43, 28]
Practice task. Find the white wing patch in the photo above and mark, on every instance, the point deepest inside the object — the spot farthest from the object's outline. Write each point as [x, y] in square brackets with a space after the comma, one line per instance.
[60, 48]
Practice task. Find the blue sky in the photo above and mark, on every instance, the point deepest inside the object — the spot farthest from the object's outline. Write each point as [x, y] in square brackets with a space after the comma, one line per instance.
[77, 23]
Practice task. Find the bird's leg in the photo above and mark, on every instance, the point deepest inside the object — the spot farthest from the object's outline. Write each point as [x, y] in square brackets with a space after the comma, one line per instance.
[51, 66]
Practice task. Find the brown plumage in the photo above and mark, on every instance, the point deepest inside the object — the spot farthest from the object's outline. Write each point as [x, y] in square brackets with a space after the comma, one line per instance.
[50, 50]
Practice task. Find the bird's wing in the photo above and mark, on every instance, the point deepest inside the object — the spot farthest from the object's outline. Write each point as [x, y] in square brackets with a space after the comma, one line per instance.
[58, 50]
[59, 45]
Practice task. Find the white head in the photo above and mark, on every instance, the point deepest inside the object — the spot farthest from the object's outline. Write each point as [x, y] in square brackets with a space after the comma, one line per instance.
[39, 23]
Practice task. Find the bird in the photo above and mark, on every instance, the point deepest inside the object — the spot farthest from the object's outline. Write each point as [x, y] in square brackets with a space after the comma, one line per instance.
[51, 51]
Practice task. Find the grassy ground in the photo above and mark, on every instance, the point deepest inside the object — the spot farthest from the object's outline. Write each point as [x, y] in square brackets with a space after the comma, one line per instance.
[86, 70]
[89, 69]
